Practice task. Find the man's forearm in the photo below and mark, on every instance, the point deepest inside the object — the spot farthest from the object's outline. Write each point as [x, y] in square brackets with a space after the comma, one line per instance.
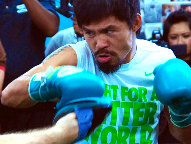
[47, 21]
[16, 94]
[181, 134]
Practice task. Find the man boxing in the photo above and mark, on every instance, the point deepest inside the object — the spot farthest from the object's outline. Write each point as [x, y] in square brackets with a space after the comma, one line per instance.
[126, 65]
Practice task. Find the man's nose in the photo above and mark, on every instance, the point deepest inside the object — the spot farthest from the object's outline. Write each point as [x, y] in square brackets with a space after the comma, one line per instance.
[101, 43]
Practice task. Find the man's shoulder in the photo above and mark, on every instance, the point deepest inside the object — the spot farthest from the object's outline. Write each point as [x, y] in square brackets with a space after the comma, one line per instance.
[81, 47]
[148, 46]
[82, 44]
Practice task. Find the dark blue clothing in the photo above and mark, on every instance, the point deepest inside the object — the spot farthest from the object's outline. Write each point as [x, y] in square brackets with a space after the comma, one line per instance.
[24, 44]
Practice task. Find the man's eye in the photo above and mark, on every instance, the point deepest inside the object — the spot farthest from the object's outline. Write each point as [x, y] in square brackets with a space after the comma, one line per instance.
[109, 31]
[89, 33]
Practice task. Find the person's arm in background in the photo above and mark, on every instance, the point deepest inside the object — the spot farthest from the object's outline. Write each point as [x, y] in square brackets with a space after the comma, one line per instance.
[16, 93]
[2, 65]
[46, 20]
[65, 131]
[2, 75]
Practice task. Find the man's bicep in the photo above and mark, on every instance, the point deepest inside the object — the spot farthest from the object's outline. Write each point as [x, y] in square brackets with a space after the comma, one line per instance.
[60, 57]
[16, 93]
[63, 56]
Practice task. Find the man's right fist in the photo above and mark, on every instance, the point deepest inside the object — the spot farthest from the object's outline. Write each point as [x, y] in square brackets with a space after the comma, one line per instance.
[172, 84]
[77, 90]
[68, 81]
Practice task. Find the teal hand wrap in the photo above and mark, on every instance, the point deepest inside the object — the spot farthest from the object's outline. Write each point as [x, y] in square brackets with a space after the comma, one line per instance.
[38, 90]
[46, 86]
[182, 120]
[172, 84]
[34, 87]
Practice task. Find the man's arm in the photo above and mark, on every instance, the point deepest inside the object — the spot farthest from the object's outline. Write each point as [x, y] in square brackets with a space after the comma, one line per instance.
[172, 84]
[16, 93]
[65, 131]
[47, 21]
[181, 134]
[69, 85]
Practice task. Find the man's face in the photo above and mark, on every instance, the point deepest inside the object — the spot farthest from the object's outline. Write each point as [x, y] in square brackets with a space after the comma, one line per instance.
[111, 41]
[179, 34]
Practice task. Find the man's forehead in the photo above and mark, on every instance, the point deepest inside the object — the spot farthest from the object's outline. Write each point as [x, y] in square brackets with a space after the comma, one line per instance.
[110, 22]
[90, 27]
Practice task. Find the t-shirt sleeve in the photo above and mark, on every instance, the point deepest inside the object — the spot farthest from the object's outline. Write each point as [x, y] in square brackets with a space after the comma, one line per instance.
[84, 56]
[52, 45]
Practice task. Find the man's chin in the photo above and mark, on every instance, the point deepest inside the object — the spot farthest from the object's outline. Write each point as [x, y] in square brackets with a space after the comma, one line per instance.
[108, 69]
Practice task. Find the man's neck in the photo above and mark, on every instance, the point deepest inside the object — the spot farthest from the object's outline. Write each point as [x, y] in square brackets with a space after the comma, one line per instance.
[131, 53]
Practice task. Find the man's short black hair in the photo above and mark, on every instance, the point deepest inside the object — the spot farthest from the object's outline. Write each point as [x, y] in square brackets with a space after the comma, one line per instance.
[174, 18]
[88, 11]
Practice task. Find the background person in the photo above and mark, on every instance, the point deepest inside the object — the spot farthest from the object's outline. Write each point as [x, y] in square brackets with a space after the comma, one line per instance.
[2, 68]
[177, 31]
[2, 65]
[24, 26]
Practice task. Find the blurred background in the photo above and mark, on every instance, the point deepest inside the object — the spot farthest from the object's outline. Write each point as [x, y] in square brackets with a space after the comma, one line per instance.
[153, 14]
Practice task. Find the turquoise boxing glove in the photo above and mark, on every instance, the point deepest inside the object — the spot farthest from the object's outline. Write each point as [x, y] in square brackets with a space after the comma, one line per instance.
[172, 82]
[77, 90]
[46, 86]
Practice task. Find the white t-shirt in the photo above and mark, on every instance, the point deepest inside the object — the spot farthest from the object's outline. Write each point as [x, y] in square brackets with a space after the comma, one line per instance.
[135, 112]
[61, 38]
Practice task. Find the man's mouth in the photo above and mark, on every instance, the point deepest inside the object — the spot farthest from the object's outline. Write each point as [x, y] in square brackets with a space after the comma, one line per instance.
[103, 58]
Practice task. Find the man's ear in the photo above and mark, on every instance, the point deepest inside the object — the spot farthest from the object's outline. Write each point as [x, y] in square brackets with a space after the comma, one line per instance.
[137, 23]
